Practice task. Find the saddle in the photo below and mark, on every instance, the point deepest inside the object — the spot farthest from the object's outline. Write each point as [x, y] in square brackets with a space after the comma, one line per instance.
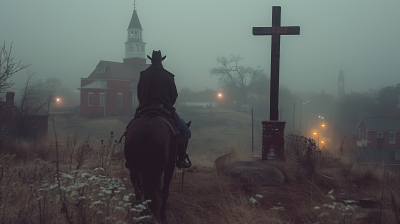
[171, 118]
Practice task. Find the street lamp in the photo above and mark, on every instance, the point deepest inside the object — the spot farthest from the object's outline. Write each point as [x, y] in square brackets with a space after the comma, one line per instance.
[326, 132]
[315, 133]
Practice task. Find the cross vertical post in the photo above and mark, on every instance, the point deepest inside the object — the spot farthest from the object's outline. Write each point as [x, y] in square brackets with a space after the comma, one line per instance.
[274, 130]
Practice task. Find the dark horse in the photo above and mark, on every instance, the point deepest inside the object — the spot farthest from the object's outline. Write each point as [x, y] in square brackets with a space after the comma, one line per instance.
[150, 150]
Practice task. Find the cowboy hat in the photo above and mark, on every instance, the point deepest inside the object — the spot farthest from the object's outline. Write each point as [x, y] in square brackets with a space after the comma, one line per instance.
[156, 55]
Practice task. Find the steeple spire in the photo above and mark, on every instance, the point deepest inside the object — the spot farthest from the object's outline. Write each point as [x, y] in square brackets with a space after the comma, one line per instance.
[134, 5]
[134, 46]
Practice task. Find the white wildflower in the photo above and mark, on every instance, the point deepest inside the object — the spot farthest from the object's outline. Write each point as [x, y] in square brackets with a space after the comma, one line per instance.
[329, 206]
[278, 208]
[75, 171]
[125, 178]
[330, 192]
[120, 208]
[109, 218]
[330, 196]
[140, 206]
[252, 200]
[132, 194]
[97, 203]
[140, 218]
[126, 198]
[316, 207]
[83, 175]
[127, 204]
[81, 198]
[100, 194]
[133, 210]
[323, 214]
[107, 192]
[259, 196]
[117, 192]
[147, 201]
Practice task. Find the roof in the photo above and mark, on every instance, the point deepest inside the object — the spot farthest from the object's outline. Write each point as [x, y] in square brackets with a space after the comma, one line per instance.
[382, 124]
[135, 23]
[98, 84]
[117, 70]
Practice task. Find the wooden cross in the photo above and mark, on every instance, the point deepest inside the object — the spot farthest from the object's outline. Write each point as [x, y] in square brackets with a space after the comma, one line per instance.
[276, 31]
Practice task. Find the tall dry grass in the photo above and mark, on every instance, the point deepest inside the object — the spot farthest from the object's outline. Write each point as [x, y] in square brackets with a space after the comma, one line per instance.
[96, 192]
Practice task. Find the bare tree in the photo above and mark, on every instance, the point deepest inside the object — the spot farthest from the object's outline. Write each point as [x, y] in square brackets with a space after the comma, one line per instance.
[8, 67]
[36, 97]
[235, 77]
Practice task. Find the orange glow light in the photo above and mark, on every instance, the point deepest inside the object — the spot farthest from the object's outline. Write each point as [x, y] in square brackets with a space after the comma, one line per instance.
[315, 133]
[322, 142]
[219, 95]
[58, 99]
[323, 125]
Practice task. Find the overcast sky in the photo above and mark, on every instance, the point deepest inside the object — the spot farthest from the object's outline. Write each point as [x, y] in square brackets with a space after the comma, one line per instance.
[66, 39]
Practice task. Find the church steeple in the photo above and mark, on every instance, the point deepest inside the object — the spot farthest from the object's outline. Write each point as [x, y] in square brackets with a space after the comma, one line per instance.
[135, 47]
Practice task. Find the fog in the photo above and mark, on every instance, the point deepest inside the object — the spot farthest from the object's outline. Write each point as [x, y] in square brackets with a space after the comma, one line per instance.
[66, 39]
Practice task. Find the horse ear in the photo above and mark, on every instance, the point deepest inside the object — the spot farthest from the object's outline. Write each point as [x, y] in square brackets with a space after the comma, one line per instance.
[189, 123]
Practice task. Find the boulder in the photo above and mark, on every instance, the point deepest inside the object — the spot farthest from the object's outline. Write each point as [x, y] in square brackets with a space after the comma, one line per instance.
[260, 171]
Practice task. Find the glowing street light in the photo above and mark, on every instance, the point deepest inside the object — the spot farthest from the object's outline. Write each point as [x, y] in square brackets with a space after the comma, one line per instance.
[219, 94]
[58, 99]
[317, 133]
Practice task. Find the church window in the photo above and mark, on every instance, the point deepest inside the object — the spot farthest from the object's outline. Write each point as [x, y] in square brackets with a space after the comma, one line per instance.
[136, 34]
[131, 33]
[101, 69]
[131, 48]
[392, 139]
[119, 99]
[137, 48]
[101, 99]
[90, 99]
[142, 48]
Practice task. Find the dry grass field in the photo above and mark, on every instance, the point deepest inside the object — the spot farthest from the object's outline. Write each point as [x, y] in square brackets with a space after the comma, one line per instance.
[213, 131]
[85, 181]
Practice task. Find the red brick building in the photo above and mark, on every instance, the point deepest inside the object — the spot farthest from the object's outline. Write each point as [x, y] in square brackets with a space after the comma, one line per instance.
[110, 90]
[379, 132]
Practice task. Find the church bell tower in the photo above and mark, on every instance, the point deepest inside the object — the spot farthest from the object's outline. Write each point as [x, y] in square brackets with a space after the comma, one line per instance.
[341, 83]
[134, 46]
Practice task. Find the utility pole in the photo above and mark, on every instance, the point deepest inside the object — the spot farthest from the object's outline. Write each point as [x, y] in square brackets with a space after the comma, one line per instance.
[301, 105]
[252, 133]
[294, 107]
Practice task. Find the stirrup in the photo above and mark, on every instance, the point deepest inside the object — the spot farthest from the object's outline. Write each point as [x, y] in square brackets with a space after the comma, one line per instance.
[184, 164]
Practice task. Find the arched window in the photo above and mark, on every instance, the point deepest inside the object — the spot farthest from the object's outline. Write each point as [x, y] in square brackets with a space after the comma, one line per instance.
[131, 33]
[131, 48]
[142, 48]
[136, 34]
[137, 48]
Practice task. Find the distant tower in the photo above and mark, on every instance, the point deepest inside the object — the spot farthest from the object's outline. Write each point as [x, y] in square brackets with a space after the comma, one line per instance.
[341, 83]
[134, 46]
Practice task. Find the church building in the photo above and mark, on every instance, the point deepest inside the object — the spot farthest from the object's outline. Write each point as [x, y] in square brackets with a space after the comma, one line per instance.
[110, 90]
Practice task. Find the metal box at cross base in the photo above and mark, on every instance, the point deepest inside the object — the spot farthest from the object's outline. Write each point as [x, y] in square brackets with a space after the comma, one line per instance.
[273, 140]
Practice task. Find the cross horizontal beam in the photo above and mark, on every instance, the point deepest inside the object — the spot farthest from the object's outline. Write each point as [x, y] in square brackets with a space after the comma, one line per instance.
[285, 30]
